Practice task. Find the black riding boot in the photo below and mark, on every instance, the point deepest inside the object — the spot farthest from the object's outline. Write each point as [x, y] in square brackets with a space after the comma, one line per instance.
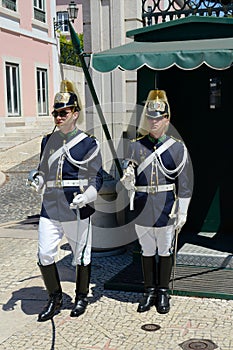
[163, 296]
[53, 286]
[149, 274]
[83, 274]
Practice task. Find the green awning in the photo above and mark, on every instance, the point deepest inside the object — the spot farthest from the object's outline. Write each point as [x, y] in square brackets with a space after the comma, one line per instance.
[190, 54]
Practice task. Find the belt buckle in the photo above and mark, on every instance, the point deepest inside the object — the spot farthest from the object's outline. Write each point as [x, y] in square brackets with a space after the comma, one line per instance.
[58, 183]
[153, 190]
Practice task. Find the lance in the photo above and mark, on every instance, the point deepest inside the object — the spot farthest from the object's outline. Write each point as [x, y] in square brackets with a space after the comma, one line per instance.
[76, 44]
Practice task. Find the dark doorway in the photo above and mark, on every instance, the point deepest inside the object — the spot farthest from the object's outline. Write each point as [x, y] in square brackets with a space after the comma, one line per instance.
[201, 111]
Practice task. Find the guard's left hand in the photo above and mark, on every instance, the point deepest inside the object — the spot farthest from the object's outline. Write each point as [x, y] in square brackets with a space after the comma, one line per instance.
[181, 220]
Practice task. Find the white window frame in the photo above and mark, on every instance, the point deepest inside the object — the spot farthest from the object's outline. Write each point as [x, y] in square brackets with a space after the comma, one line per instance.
[14, 87]
[61, 17]
[42, 90]
[38, 6]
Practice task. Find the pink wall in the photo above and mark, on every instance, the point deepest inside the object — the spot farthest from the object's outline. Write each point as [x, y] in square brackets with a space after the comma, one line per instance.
[31, 46]
[32, 54]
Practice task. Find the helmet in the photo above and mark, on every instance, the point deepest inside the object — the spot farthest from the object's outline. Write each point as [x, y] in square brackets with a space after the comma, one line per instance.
[156, 106]
[67, 97]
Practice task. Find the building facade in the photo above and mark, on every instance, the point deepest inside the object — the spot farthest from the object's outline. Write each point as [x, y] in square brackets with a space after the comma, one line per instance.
[28, 61]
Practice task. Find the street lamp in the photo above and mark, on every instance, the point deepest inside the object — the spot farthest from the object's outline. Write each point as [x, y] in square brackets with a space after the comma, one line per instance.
[72, 14]
[72, 11]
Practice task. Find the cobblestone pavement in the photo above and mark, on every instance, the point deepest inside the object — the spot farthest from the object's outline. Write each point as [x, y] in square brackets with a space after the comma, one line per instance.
[16, 200]
[111, 321]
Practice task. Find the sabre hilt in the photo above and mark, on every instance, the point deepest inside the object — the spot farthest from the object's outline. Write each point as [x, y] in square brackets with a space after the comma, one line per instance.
[72, 205]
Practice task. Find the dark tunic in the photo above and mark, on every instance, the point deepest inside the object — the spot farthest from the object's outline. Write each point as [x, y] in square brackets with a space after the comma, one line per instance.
[56, 200]
[153, 209]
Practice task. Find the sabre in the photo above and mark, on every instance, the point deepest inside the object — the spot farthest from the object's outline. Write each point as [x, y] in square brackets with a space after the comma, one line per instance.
[76, 43]
[75, 253]
[174, 259]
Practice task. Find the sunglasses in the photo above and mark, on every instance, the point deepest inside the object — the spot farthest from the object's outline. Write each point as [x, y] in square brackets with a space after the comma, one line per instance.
[62, 114]
[157, 119]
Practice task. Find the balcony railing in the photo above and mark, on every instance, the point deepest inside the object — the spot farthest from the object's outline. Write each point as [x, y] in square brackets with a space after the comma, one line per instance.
[39, 15]
[9, 4]
[166, 10]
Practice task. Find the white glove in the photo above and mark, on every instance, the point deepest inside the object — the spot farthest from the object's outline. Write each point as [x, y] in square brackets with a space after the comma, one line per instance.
[128, 179]
[35, 181]
[90, 195]
[182, 213]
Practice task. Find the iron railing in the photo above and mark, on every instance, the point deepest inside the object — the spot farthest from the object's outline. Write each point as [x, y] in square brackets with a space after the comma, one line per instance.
[157, 11]
[39, 15]
[9, 4]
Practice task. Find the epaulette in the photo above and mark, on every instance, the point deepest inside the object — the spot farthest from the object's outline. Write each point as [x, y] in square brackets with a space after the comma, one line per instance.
[178, 140]
[138, 138]
[90, 135]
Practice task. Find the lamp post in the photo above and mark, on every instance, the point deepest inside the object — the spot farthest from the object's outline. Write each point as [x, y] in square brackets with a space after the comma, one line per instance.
[72, 11]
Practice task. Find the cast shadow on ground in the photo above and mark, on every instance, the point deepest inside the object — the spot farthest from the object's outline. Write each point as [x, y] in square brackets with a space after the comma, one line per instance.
[32, 300]
[103, 268]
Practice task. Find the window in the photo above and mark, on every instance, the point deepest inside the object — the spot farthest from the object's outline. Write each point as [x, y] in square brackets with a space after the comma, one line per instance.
[39, 10]
[9, 4]
[12, 87]
[39, 4]
[42, 91]
[62, 17]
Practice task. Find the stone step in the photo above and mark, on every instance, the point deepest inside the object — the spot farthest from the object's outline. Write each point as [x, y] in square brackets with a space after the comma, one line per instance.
[29, 129]
[8, 144]
[14, 124]
[16, 137]
[26, 133]
[11, 141]
[18, 132]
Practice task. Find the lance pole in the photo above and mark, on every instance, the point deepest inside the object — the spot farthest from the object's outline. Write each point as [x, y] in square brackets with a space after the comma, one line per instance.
[76, 43]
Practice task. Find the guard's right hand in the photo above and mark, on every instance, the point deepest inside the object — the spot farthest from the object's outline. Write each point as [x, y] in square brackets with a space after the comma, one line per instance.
[80, 200]
[35, 181]
[128, 179]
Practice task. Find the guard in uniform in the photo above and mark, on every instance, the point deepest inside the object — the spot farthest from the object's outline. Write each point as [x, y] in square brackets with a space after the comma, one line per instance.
[156, 176]
[69, 176]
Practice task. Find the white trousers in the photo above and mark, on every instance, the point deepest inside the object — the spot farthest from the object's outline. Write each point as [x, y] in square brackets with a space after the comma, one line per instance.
[78, 234]
[156, 240]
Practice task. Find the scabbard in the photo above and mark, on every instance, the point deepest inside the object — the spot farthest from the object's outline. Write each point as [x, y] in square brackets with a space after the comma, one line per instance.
[174, 259]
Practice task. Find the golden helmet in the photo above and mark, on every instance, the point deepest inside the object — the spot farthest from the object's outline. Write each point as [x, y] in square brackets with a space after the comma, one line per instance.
[156, 105]
[67, 97]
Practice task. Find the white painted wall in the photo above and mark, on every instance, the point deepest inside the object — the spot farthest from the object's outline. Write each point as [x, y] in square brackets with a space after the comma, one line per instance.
[105, 24]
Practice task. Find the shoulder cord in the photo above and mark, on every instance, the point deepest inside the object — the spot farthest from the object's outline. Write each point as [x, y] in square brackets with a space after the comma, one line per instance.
[78, 163]
[166, 172]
